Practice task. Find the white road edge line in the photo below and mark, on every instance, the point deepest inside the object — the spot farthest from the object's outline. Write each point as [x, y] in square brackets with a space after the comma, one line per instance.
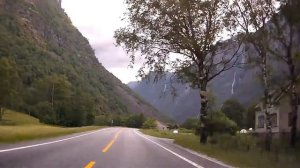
[176, 154]
[48, 143]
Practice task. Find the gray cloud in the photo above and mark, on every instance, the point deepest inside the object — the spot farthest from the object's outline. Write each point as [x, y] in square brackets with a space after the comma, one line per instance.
[97, 21]
[111, 56]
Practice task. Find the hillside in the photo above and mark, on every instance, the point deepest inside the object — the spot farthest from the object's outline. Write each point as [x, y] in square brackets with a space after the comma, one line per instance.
[51, 71]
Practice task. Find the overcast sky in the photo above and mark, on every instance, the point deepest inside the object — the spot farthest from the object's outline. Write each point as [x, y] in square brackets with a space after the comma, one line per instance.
[97, 20]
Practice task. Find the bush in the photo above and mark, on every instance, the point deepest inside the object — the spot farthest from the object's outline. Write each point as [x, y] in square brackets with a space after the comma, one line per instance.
[235, 111]
[44, 111]
[191, 123]
[150, 123]
[135, 121]
[219, 123]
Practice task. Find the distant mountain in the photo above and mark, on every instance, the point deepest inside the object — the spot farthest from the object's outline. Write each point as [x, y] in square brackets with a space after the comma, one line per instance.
[61, 80]
[236, 83]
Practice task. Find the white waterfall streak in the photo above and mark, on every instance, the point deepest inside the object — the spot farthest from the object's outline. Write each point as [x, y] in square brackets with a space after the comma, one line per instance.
[233, 84]
[165, 87]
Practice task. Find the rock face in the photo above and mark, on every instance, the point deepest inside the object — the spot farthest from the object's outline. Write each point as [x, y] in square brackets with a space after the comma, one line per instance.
[40, 37]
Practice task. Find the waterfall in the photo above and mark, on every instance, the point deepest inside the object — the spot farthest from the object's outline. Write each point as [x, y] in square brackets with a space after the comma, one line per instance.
[233, 83]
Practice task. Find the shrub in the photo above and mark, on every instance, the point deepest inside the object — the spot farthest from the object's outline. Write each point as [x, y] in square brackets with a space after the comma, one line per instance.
[219, 123]
[150, 123]
[190, 123]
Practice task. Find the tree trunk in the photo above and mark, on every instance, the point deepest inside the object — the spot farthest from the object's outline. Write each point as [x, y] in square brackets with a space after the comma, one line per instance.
[294, 116]
[267, 103]
[293, 99]
[203, 114]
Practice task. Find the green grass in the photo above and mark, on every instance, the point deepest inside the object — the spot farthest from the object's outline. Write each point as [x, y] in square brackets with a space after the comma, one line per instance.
[15, 118]
[255, 157]
[16, 127]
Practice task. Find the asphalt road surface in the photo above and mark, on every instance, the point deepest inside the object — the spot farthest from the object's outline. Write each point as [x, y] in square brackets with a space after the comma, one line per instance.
[105, 148]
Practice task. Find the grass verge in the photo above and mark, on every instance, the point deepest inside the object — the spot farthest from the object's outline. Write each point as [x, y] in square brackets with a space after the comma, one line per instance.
[12, 134]
[16, 127]
[253, 158]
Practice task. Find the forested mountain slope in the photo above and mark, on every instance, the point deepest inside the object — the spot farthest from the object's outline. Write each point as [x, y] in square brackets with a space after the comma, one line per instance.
[49, 70]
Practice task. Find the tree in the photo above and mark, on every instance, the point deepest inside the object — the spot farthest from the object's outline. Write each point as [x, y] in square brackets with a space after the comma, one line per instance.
[180, 36]
[220, 123]
[53, 88]
[9, 83]
[150, 123]
[251, 18]
[234, 111]
[135, 121]
[190, 123]
[53, 92]
[284, 30]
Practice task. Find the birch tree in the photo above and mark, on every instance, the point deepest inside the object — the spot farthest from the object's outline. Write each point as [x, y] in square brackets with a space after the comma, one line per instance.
[252, 17]
[181, 36]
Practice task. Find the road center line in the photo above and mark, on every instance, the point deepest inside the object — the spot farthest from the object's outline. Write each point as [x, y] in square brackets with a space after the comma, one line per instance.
[90, 165]
[48, 143]
[176, 154]
[111, 142]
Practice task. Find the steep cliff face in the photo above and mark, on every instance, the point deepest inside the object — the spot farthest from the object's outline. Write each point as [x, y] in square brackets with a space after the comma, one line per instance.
[41, 39]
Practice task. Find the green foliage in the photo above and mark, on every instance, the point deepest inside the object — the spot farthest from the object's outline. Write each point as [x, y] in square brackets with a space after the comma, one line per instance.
[194, 35]
[150, 123]
[9, 84]
[234, 111]
[135, 121]
[191, 123]
[101, 120]
[45, 112]
[219, 123]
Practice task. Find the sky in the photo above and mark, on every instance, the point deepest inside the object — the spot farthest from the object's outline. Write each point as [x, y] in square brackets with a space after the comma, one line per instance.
[97, 20]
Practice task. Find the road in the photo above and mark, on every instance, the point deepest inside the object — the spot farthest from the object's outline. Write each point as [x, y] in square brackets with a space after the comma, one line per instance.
[105, 148]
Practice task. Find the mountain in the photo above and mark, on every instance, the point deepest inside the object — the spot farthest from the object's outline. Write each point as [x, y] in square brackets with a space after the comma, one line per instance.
[235, 83]
[59, 79]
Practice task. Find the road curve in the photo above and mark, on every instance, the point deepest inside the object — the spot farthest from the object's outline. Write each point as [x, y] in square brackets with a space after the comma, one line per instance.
[105, 148]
